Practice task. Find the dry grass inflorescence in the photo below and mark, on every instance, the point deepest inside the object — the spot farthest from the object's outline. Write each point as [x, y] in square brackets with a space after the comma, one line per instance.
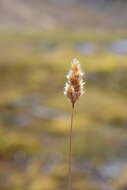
[73, 90]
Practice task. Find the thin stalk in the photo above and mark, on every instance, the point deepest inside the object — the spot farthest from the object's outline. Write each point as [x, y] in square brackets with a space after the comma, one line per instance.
[70, 151]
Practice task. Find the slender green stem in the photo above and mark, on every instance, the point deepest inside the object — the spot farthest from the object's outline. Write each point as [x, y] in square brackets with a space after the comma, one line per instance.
[70, 152]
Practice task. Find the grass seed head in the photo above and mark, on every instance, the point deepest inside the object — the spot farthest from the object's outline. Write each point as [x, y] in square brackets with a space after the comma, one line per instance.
[74, 86]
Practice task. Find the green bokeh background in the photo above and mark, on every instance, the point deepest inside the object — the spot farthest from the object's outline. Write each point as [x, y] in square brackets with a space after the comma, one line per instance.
[35, 115]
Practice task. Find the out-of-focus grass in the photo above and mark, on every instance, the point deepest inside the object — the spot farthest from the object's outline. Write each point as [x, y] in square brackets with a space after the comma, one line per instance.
[36, 63]
[11, 142]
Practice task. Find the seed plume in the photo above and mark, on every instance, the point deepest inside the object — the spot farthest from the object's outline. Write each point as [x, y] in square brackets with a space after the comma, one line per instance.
[74, 86]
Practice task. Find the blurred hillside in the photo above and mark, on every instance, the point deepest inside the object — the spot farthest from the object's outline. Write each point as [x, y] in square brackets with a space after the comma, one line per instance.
[49, 14]
[34, 119]
[38, 39]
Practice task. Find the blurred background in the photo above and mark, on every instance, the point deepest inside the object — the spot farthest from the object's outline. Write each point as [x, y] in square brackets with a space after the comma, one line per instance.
[38, 40]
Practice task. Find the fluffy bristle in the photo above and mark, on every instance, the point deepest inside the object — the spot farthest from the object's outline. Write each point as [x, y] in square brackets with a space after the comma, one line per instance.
[75, 84]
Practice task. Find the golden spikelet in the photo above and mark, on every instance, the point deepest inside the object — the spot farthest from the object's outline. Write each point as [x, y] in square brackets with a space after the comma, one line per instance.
[74, 86]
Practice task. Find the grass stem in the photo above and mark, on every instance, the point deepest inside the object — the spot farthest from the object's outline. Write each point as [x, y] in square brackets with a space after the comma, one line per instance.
[70, 151]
